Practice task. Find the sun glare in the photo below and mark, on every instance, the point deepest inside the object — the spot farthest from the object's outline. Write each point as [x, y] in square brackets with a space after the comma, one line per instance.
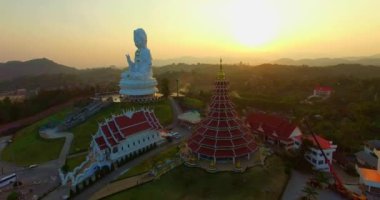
[253, 23]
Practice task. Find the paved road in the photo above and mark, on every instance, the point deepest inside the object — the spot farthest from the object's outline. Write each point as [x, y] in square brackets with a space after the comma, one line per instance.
[176, 110]
[6, 167]
[296, 184]
[44, 177]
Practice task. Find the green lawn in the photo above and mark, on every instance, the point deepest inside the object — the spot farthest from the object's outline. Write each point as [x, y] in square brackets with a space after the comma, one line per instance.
[83, 132]
[29, 148]
[74, 162]
[193, 103]
[149, 163]
[194, 183]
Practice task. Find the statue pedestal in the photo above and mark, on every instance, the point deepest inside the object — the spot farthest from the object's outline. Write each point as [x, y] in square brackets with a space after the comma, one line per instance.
[138, 90]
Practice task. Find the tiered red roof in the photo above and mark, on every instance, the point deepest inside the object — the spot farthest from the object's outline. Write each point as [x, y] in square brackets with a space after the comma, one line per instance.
[271, 125]
[221, 134]
[120, 127]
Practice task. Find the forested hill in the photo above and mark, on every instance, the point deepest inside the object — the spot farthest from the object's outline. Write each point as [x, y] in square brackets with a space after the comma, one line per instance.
[15, 69]
[354, 70]
[43, 73]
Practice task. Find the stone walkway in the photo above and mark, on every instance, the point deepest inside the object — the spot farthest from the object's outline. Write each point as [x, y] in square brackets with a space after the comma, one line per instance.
[53, 134]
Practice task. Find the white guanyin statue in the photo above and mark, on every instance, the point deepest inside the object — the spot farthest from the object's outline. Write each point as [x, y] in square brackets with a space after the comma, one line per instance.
[137, 81]
[142, 67]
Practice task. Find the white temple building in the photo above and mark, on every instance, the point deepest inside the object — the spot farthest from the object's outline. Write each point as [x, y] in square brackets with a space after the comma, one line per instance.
[117, 139]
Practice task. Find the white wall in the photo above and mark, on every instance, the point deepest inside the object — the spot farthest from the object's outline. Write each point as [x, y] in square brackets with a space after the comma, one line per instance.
[315, 157]
[134, 143]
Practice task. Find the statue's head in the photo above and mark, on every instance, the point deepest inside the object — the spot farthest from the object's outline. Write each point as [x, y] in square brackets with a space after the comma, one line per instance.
[140, 38]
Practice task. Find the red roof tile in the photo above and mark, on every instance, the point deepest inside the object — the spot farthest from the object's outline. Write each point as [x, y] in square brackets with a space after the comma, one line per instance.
[206, 151]
[271, 125]
[139, 121]
[101, 143]
[108, 135]
[224, 153]
[325, 144]
[130, 130]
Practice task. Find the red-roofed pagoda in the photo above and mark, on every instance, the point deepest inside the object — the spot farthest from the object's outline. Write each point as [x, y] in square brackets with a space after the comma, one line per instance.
[221, 136]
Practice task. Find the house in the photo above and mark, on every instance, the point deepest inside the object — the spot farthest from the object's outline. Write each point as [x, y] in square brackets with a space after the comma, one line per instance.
[370, 178]
[367, 158]
[275, 130]
[314, 155]
[322, 91]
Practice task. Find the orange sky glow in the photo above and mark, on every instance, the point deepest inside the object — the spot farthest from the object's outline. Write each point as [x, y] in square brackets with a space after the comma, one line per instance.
[99, 33]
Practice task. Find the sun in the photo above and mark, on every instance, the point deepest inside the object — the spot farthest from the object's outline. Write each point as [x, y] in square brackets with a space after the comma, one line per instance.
[253, 23]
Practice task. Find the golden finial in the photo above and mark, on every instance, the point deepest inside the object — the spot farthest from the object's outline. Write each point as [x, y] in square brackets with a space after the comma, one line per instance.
[221, 75]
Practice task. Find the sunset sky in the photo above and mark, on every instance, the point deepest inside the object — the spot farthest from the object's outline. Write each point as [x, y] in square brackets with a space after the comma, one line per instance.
[91, 33]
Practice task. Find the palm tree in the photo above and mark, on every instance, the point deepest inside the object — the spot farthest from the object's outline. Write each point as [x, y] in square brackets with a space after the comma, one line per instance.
[322, 179]
[310, 193]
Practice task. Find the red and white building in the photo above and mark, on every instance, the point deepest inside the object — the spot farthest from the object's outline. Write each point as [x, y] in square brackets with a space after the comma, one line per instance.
[322, 91]
[125, 135]
[314, 154]
[275, 130]
[221, 136]
[117, 139]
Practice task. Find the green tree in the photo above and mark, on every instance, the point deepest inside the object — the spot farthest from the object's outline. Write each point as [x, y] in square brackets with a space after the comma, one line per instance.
[165, 90]
[322, 179]
[13, 196]
[310, 193]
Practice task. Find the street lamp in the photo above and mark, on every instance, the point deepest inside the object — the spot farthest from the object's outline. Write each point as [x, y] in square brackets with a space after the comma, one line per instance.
[177, 88]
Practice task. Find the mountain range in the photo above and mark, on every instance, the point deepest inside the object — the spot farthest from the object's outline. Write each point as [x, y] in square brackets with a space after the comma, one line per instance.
[365, 60]
[43, 66]
[14, 69]
[368, 60]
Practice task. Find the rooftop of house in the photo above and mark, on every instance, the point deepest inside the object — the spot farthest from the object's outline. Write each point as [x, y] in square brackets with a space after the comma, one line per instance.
[324, 143]
[369, 159]
[369, 175]
[373, 144]
[271, 124]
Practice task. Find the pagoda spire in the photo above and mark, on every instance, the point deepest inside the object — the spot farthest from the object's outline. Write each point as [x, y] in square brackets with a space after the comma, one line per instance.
[221, 74]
